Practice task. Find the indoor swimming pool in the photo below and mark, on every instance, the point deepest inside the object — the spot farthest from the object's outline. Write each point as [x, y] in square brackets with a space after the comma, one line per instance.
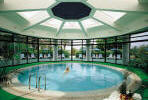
[79, 77]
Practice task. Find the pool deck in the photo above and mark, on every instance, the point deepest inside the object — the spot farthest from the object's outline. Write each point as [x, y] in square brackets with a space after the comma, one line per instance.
[18, 89]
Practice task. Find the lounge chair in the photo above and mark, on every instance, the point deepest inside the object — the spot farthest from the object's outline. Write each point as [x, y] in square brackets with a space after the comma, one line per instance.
[63, 56]
[100, 56]
[32, 56]
[118, 56]
[41, 56]
[110, 56]
[22, 56]
[49, 56]
[80, 56]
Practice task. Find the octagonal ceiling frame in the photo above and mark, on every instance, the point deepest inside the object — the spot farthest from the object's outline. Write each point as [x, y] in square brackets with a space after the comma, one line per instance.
[93, 10]
[70, 20]
[85, 2]
[79, 10]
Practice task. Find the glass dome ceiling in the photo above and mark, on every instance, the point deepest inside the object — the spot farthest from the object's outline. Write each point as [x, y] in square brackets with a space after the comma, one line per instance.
[76, 19]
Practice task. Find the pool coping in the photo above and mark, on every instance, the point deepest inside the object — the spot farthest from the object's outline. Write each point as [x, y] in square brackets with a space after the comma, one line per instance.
[18, 89]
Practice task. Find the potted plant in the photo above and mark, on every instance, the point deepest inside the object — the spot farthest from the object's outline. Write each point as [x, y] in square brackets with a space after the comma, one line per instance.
[122, 90]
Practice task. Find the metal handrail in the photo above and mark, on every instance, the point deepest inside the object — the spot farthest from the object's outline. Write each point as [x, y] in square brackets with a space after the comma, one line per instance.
[38, 81]
[45, 82]
[29, 81]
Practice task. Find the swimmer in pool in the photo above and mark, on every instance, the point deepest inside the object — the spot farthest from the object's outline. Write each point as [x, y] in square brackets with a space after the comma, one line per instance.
[67, 70]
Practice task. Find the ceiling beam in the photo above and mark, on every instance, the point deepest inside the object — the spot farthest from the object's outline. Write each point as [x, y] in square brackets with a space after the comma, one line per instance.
[25, 5]
[59, 30]
[117, 10]
[82, 28]
[35, 24]
[23, 10]
[105, 24]
[106, 20]
[130, 6]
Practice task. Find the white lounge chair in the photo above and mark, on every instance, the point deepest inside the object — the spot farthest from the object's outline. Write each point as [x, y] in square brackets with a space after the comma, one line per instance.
[80, 56]
[49, 55]
[100, 56]
[32, 55]
[41, 56]
[118, 56]
[22, 56]
[93, 56]
[63, 56]
[110, 56]
[45, 56]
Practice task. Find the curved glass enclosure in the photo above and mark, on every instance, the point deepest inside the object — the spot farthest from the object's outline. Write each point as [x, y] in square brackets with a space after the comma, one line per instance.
[19, 49]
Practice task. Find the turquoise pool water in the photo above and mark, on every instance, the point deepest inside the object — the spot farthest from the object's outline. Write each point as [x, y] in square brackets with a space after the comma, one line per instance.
[81, 77]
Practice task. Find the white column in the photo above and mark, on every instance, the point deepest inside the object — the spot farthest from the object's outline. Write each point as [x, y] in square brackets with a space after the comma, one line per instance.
[125, 52]
[88, 51]
[55, 51]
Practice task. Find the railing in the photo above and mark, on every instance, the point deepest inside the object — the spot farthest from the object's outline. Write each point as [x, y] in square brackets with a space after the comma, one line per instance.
[38, 81]
[29, 81]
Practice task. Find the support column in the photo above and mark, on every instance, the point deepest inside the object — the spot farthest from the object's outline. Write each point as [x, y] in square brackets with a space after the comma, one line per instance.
[125, 52]
[27, 50]
[38, 50]
[13, 49]
[88, 51]
[105, 47]
[55, 51]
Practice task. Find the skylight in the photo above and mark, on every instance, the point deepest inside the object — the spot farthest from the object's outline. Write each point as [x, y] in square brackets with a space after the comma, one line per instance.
[71, 25]
[114, 15]
[28, 14]
[107, 16]
[52, 23]
[88, 23]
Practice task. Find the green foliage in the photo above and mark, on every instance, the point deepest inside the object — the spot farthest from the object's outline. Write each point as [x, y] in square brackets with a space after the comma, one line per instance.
[100, 41]
[66, 53]
[122, 88]
[140, 57]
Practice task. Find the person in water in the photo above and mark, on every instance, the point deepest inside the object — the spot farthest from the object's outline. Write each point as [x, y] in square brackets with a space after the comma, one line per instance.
[66, 70]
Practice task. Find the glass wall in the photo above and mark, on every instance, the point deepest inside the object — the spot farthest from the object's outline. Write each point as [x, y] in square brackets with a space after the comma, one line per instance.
[45, 50]
[66, 50]
[6, 50]
[111, 50]
[119, 54]
[139, 51]
[77, 50]
[98, 50]
[33, 50]
[18, 49]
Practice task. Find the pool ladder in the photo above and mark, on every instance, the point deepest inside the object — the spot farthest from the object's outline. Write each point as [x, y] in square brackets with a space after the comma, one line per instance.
[37, 82]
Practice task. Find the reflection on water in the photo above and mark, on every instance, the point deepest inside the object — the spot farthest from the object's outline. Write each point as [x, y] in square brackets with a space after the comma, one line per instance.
[81, 77]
